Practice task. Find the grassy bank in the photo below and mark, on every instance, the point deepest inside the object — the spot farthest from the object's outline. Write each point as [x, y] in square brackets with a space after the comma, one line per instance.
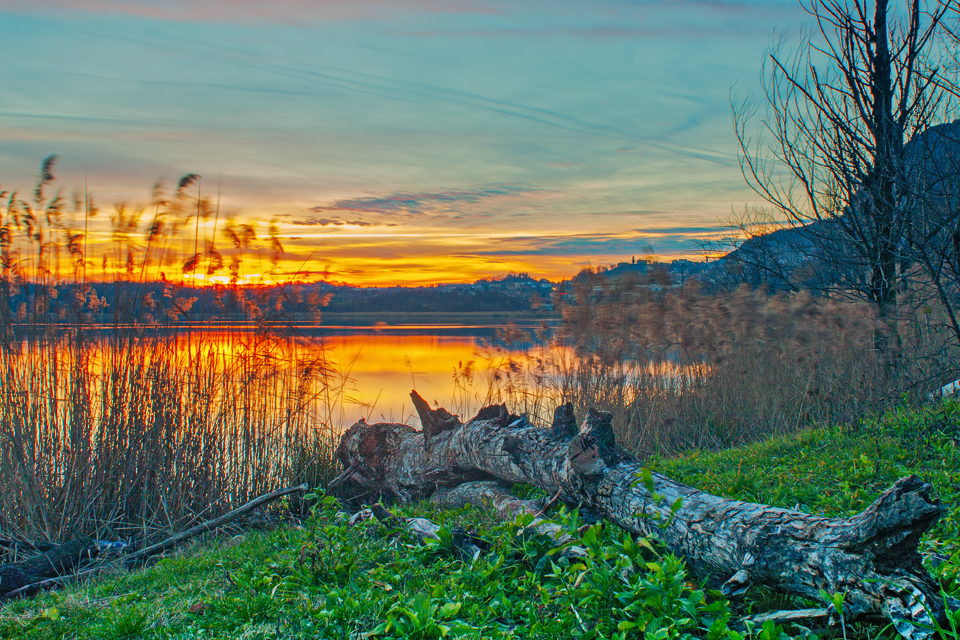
[321, 578]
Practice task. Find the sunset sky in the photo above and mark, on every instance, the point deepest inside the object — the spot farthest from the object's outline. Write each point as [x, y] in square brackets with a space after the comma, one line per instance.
[399, 141]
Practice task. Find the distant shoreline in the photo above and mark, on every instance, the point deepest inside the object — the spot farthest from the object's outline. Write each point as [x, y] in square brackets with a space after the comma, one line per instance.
[332, 320]
[364, 318]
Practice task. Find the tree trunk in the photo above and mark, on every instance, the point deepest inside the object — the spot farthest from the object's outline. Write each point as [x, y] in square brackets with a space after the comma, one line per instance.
[871, 557]
[59, 561]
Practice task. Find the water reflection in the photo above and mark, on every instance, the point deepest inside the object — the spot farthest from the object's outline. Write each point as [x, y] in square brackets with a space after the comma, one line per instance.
[373, 368]
[446, 364]
[369, 371]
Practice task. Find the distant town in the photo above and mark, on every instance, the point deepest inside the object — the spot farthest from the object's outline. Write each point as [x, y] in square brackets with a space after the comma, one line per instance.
[513, 294]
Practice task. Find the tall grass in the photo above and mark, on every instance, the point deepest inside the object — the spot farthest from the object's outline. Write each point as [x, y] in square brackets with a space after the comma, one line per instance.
[681, 368]
[147, 431]
[722, 369]
[117, 419]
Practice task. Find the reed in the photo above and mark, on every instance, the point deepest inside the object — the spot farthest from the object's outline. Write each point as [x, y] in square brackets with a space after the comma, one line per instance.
[683, 368]
[118, 419]
[154, 431]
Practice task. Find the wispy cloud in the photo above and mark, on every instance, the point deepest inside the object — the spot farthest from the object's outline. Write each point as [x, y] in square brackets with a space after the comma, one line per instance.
[605, 19]
[418, 204]
[603, 31]
[285, 11]
[313, 221]
[602, 247]
[415, 150]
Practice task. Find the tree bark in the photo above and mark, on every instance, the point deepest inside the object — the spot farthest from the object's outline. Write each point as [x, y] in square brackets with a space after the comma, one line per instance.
[59, 561]
[872, 557]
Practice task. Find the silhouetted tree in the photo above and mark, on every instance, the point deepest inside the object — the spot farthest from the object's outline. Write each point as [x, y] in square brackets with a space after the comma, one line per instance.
[829, 154]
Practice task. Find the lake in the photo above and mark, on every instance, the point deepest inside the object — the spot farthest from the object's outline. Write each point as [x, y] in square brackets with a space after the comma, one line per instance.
[358, 370]
[453, 365]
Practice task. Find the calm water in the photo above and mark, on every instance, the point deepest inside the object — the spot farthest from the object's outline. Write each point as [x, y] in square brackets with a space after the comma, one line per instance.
[372, 368]
[452, 365]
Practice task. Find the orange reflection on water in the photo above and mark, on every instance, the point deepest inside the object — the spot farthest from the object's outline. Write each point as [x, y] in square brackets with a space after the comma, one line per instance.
[370, 373]
[382, 369]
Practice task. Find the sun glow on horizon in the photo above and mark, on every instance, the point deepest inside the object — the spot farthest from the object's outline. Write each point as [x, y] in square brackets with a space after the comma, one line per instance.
[389, 272]
[407, 255]
[381, 146]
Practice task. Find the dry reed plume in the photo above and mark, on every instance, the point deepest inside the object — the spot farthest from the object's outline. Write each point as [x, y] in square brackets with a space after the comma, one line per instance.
[117, 418]
[682, 368]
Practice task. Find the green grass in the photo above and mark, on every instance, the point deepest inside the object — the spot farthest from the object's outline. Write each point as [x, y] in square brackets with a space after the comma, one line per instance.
[839, 470]
[325, 579]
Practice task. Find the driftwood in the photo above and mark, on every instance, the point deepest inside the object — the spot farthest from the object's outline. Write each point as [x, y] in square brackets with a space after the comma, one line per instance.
[871, 557]
[57, 566]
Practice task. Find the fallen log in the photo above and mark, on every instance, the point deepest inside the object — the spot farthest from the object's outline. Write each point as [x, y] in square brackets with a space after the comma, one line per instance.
[58, 566]
[871, 557]
[58, 561]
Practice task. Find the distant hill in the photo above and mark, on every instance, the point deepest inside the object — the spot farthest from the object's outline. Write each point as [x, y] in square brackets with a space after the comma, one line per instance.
[814, 255]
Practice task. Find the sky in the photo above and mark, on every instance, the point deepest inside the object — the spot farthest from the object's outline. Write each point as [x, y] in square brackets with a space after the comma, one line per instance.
[397, 141]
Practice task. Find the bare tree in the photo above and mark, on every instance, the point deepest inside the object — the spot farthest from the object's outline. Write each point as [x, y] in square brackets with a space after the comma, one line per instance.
[829, 153]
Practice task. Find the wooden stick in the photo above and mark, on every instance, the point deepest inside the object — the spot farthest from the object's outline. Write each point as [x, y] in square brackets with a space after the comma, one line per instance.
[212, 524]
